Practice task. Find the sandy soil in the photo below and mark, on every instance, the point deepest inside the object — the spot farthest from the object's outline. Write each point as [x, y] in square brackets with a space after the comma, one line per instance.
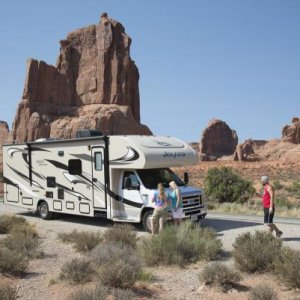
[168, 282]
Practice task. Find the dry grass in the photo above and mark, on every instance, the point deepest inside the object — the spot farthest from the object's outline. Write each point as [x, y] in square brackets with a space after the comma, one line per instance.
[116, 264]
[8, 222]
[23, 240]
[102, 293]
[183, 245]
[84, 241]
[8, 292]
[256, 252]
[12, 262]
[262, 292]
[219, 275]
[287, 267]
[77, 271]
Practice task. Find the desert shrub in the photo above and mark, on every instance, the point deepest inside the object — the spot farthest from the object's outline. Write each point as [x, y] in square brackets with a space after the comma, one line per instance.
[121, 233]
[219, 275]
[145, 276]
[223, 185]
[283, 202]
[262, 292]
[102, 293]
[277, 185]
[8, 222]
[23, 240]
[12, 262]
[287, 267]
[84, 241]
[257, 252]
[182, 245]
[77, 271]
[294, 187]
[8, 292]
[116, 264]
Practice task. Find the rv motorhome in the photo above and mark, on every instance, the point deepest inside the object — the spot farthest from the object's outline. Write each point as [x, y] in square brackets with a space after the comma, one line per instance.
[104, 176]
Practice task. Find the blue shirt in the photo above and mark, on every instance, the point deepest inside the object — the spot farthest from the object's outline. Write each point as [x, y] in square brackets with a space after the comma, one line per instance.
[173, 196]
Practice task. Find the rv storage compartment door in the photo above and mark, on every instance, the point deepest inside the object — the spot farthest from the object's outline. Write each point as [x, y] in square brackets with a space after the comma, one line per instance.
[12, 193]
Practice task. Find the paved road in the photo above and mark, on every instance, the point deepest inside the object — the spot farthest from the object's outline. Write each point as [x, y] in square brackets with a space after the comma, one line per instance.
[227, 226]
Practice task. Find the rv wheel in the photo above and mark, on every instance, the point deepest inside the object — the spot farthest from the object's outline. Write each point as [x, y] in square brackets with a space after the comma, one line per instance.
[44, 212]
[147, 220]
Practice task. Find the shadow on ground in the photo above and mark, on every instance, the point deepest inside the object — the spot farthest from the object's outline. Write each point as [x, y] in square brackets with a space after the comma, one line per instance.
[223, 224]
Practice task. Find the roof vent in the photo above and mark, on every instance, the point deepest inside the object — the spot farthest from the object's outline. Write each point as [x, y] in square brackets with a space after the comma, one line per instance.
[88, 133]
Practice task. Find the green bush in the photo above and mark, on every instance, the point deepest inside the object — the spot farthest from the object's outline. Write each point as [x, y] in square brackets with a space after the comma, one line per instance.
[256, 253]
[287, 267]
[180, 245]
[294, 187]
[219, 275]
[23, 240]
[8, 222]
[121, 233]
[116, 264]
[277, 185]
[84, 241]
[283, 202]
[223, 185]
[77, 271]
[12, 262]
[8, 292]
[102, 293]
[262, 292]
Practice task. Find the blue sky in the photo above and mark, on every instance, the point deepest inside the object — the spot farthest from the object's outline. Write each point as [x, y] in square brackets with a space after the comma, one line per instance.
[236, 60]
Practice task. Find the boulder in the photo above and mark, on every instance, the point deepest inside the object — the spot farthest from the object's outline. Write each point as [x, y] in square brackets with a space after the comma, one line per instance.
[94, 68]
[217, 140]
[291, 133]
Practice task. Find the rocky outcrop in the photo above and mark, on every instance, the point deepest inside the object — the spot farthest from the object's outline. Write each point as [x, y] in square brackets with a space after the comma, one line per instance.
[94, 70]
[291, 133]
[4, 138]
[246, 151]
[217, 140]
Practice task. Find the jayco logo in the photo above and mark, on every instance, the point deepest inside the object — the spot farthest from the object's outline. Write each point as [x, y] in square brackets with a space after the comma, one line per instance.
[173, 154]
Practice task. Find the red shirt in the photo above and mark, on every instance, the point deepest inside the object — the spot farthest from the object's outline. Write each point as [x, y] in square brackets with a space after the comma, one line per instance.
[266, 199]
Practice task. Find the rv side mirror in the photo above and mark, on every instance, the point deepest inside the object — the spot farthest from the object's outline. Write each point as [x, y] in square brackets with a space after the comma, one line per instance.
[186, 177]
[127, 183]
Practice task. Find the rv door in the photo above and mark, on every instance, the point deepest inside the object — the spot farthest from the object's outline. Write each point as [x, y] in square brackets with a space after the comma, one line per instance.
[98, 178]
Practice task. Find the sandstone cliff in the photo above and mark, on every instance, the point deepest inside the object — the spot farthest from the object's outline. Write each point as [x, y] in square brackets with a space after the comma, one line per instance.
[94, 85]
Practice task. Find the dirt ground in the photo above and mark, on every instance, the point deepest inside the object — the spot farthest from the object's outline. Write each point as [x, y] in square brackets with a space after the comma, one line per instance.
[174, 282]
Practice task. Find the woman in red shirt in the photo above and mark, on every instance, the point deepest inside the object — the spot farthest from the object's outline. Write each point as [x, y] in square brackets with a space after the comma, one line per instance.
[269, 205]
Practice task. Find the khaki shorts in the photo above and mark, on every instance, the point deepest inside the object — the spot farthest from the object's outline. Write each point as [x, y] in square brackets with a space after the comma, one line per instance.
[160, 214]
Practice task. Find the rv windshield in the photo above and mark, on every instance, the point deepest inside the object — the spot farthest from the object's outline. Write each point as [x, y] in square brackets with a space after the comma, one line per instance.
[151, 177]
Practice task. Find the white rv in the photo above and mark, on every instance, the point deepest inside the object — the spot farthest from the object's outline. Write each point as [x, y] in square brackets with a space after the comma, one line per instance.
[104, 176]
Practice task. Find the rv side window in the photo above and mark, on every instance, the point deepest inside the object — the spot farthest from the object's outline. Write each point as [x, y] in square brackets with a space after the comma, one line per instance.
[98, 161]
[130, 181]
[51, 182]
[75, 167]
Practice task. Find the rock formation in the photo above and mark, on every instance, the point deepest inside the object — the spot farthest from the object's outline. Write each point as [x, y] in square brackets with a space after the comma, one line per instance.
[4, 138]
[217, 140]
[291, 133]
[246, 151]
[93, 86]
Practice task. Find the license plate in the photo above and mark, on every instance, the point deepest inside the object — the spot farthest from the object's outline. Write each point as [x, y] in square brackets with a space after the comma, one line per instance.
[194, 217]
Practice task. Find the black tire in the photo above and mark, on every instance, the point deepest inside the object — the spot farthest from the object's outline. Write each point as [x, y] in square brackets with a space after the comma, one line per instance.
[147, 220]
[44, 212]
